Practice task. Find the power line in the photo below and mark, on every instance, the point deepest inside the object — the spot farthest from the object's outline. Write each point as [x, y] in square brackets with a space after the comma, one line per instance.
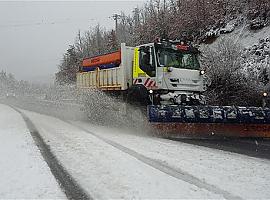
[41, 23]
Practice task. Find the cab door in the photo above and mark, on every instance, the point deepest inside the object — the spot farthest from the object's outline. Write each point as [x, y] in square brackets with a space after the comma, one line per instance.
[147, 61]
[144, 68]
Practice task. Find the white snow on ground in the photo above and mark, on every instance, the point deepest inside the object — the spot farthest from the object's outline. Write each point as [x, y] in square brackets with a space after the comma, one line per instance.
[24, 173]
[106, 172]
[240, 175]
[248, 37]
[245, 36]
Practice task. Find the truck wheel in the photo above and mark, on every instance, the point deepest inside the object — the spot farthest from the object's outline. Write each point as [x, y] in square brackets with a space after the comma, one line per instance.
[138, 95]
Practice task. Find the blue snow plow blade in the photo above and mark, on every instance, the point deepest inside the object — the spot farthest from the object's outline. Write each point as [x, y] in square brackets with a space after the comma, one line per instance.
[210, 121]
[208, 114]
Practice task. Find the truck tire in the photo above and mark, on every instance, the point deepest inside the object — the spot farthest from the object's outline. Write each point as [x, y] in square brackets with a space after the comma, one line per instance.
[138, 95]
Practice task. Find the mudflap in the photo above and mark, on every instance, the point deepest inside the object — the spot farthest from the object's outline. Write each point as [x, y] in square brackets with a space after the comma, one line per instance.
[209, 121]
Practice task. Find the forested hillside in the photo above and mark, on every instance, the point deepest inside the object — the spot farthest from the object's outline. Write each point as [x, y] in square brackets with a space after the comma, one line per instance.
[198, 21]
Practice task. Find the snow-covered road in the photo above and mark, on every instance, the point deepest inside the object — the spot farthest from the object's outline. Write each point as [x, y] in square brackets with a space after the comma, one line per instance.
[239, 175]
[24, 173]
[106, 172]
[113, 163]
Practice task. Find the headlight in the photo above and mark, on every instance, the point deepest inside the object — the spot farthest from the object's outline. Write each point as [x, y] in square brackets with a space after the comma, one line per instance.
[170, 69]
[265, 94]
[202, 72]
[151, 91]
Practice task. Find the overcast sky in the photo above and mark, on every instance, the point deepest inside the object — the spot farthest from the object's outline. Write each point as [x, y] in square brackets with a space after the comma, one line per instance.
[34, 35]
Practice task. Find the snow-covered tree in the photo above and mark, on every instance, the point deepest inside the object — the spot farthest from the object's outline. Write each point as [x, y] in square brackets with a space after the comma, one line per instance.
[229, 82]
[195, 20]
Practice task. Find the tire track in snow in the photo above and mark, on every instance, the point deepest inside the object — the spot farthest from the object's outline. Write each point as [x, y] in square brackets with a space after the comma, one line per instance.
[67, 183]
[262, 150]
[163, 167]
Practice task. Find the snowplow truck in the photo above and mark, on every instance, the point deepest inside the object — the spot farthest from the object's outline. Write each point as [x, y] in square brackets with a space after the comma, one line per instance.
[166, 77]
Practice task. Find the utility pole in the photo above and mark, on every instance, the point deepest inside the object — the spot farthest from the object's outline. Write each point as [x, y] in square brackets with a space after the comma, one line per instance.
[115, 18]
[164, 26]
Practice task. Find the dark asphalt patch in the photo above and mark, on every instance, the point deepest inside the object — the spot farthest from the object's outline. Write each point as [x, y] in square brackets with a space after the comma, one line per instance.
[254, 147]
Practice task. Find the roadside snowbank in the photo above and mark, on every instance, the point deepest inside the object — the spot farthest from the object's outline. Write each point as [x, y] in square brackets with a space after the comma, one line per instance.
[24, 173]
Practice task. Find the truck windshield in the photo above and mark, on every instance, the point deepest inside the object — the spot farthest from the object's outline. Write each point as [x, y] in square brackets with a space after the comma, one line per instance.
[177, 59]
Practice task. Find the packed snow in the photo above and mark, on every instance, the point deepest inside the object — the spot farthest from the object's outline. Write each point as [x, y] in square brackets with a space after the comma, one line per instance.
[105, 171]
[24, 173]
[241, 175]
